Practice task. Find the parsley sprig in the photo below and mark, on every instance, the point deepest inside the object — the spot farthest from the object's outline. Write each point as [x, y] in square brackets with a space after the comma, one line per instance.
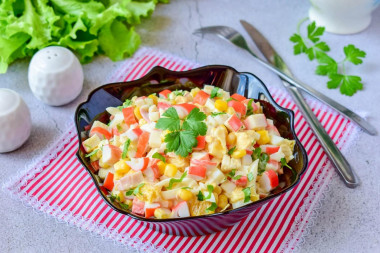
[135, 191]
[314, 48]
[247, 194]
[215, 92]
[159, 156]
[176, 180]
[125, 149]
[182, 138]
[284, 164]
[263, 159]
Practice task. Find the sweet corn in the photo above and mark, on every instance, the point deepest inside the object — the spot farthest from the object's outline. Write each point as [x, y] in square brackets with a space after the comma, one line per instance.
[255, 197]
[161, 167]
[170, 170]
[264, 137]
[217, 189]
[230, 110]
[161, 213]
[221, 105]
[222, 201]
[185, 194]
[137, 113]
[194, 92]
[121, 167]
[154, 98]
[238, 154]
[231, 139]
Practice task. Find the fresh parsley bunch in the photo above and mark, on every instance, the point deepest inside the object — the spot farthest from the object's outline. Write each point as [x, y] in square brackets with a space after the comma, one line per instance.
[314, 48]
[182, 136]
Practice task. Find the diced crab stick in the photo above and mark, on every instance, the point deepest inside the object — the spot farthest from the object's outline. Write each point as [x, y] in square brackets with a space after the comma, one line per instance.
[183, 109]
[253, 104]
[101, 133]
[95, 166]
[150, 208]
[108, 182]
[197, 172]
[164, 93]
[134, 133]
[163, 105]
[201, 142]
[152, 172]
[200, 156]
[274, 165]
[255, 121]
[238, 106]
[269, 180]
[270, 149]
[238, 97]
[131, 180]
[144, 111]
[103, 189]
[201, 98]
[110, 154]
[242, 181]
[248, 152]
[273, 130]
[138, 164]
[181, 210]
[115, 131]
[142, 144]
[138, 206]
[233, 123]
[129, 116]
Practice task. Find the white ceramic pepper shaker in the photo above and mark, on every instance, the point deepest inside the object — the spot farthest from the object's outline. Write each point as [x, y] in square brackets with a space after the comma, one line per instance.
[15, 120]
[55, 76]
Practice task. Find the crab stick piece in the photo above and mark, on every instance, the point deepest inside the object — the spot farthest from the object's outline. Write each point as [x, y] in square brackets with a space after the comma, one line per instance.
[201, 98]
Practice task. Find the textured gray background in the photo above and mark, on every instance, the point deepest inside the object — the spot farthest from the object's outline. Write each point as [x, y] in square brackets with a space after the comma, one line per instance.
[349, 220]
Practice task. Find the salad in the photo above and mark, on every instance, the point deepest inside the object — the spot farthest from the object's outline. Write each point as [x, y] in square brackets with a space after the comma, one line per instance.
[187, 153]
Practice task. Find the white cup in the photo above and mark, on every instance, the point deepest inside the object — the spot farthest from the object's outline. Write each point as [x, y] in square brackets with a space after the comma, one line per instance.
[342, 16]
[15, 120]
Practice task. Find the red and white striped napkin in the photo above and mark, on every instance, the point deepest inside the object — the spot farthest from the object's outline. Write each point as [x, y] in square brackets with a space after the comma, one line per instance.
[58, 185]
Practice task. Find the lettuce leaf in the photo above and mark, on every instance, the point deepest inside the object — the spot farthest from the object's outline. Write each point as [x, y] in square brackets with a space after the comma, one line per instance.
[88, 27]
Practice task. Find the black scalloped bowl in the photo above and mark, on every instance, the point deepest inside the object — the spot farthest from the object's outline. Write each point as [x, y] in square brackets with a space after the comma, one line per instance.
[160, 78]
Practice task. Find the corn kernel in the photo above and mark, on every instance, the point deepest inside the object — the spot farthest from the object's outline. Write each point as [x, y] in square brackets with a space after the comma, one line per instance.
[217, 189]
[121, 167]
[238, 154]
[161, 167]
[230, 110]
[255, 197]
[194, 92]
[222, 201]
[185, 194]
[161, 213]
[231, 139]
[221, 105]
[137, 113]
[264, 137]
[154, 98]
[170, 170]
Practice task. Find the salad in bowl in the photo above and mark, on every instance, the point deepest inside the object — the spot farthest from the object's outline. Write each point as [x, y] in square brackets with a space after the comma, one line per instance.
[182, 153]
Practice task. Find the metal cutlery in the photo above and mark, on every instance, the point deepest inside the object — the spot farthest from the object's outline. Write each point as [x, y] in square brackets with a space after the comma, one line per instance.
[237, 39]
[343, 167]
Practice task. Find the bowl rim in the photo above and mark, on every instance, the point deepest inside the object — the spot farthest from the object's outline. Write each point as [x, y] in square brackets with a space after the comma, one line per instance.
[146, 76]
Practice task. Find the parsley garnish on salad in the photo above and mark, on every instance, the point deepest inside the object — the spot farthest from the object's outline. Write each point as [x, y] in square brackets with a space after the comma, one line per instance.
[182, 138]
[125, 149]
[175, 180]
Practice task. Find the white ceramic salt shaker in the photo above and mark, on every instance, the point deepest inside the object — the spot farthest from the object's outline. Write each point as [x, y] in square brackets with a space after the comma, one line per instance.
[55, 75]
[15, 120]
[342, 16]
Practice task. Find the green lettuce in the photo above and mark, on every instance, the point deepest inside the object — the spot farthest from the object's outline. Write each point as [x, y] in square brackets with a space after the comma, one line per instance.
[87, 27]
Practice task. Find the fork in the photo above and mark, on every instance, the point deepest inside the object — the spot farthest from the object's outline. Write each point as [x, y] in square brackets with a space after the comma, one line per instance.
[234, 37]
[345, 171]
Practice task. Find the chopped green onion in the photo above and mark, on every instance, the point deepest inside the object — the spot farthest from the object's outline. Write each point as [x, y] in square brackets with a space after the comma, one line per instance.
[159, 156]
[247, 194]
[212, 208]
[175, 180]
[92, 153]
[125, 149]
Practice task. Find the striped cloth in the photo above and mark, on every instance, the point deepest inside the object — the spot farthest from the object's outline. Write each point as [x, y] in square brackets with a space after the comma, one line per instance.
[58, 185]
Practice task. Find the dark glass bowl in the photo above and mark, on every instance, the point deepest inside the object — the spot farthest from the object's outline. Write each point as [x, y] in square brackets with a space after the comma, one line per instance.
[160, 78]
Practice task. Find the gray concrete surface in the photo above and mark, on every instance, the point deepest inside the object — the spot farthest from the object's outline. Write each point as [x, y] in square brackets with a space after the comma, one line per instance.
[349, 220]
